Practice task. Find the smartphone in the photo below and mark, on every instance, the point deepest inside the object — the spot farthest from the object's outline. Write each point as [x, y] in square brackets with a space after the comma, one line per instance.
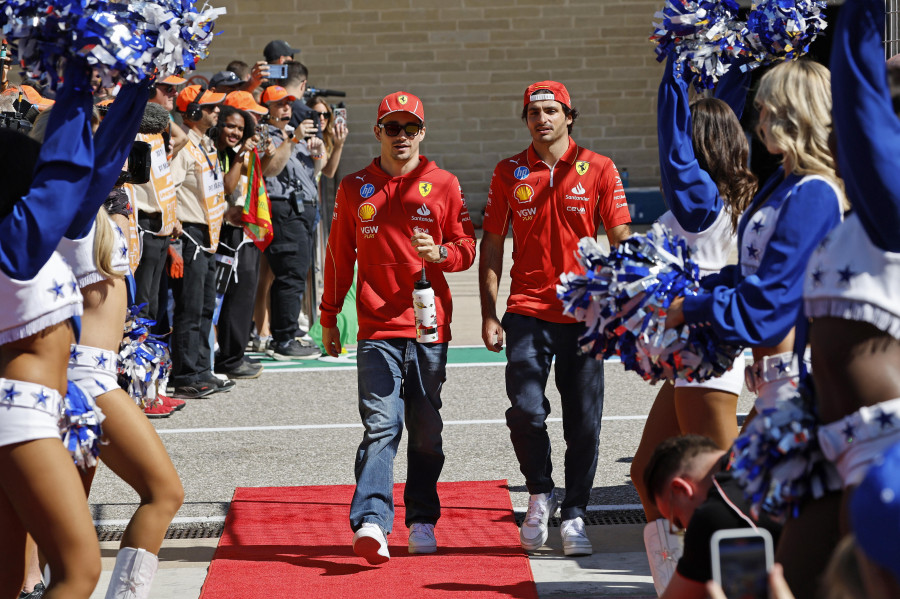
[277, 71]
[741, 559]
[340, 115]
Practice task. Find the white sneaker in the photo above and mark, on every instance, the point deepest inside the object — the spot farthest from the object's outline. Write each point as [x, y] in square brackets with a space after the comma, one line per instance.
[421, 538]
[369, 543]
[574, 538]
[533, 533]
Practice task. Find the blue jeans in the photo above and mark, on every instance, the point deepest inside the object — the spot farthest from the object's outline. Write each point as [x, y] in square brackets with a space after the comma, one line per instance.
[531, 345]
[397, 378]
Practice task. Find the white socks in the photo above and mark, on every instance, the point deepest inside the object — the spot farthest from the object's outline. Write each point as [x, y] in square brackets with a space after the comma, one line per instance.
[133, 574]
[664, 549]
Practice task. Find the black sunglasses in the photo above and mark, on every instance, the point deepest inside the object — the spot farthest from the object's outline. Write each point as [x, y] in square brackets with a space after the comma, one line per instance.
[327, 115]
[393, 129]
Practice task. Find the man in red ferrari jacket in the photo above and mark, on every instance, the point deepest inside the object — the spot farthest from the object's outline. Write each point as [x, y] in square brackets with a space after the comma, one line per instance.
[399, 215]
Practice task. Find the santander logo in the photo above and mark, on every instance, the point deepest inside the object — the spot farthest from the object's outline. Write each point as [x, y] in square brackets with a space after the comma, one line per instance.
[578, 189]
[423, 211]
[578, 193]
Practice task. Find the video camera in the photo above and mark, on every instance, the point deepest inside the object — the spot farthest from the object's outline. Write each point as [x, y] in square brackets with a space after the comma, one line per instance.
[15, 121]
[312, 92]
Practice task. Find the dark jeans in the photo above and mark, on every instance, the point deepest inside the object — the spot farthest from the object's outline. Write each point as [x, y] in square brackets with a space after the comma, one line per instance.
[531, 345]
[399, 378]
[289, 258]
[236, 315]
[194, 307]
[149, 272]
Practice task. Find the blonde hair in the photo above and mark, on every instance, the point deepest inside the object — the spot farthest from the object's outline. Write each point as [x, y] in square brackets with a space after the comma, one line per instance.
[105, 245]
[842, 577]
[797, 98]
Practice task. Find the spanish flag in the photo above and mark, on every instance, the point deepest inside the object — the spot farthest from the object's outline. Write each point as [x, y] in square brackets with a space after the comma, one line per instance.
[257, 207]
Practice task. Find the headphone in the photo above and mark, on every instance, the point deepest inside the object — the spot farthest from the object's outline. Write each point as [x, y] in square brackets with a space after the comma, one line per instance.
[194, 112]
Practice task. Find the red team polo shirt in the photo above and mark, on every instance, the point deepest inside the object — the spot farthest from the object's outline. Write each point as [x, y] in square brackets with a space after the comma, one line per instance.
[375, 215]
[551, 209]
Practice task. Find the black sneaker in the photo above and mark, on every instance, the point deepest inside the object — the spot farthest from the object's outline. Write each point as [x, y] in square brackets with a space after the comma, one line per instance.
[245, 370]
[292, 350]
[219, 385]
[37, 593]
[194, 390]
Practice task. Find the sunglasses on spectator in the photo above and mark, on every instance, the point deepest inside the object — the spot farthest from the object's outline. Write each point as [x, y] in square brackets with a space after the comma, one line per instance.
[393, 129]
[326, 115]
[165, 88]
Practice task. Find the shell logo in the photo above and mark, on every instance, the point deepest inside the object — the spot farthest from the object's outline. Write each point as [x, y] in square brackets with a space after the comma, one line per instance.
[402, 99]
[366, 212]
[524, 193]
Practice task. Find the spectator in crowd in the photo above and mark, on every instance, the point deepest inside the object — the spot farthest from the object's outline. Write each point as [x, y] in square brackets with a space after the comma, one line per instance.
[279, 52]
[252, 77]
[397, 372]
[587, 193]
[200, 208]
[688, 480]
[291, 183]
[164, 93]
[296, 84]
[334, 134]
[224, 82]
[235, 138]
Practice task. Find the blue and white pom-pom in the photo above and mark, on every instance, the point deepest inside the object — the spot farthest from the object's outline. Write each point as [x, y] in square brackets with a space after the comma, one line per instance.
[783, 29]
[144, 361]
[81, 427]
[623, 298]
[777, 459]
[136, 39]
[704, 37]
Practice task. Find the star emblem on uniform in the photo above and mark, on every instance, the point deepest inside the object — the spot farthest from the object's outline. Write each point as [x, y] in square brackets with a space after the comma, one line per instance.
[781, 366]
[846, 274]
[753, 251]
[124, 251]
[74, 286]
[101, 385]
[74, 353]
[757, 226]
[10, 394]
[885, 419]
[848, 432]
[40, 398]
[817, 276]
[56, 289]
[824, 243]
[101, 360]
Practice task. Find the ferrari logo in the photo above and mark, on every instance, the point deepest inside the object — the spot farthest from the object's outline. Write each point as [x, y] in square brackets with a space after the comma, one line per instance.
[402, 99]
[424, 188]
[582, 166]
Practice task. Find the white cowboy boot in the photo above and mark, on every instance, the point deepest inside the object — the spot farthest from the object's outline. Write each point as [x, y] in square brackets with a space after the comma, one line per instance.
[133, 574]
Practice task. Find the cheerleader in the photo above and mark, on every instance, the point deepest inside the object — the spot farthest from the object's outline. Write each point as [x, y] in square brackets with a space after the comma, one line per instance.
[707, 185]
[757, 302]
[47, 191]
[852, 287]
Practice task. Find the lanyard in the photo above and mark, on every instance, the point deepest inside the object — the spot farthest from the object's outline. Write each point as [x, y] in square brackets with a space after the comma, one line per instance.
[213, 169]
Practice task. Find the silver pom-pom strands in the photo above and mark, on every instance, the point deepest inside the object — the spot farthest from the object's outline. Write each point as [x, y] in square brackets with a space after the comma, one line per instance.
[623, 298]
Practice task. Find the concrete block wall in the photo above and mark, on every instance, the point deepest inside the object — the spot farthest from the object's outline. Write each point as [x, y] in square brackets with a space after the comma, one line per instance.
[469, 61]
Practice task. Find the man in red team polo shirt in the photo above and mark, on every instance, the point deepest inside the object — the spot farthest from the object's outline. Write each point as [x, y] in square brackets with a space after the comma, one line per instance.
[395, 217]
[553, 194]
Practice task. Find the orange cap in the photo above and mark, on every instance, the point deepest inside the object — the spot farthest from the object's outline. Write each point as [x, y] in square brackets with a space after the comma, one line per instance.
[31, 96]
[245, 101]
[192, 92]
[274, 93]
[401, 102]
[173, 80]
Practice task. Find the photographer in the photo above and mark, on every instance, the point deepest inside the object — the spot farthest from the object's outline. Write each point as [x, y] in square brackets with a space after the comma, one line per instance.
[334, 134]
[291, 181]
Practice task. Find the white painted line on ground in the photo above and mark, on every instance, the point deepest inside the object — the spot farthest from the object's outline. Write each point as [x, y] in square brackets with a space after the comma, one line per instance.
[594, 508]
[301, 427]
[178, 520]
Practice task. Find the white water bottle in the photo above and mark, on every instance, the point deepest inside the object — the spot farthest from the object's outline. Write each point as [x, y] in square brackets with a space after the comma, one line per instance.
[425, 310]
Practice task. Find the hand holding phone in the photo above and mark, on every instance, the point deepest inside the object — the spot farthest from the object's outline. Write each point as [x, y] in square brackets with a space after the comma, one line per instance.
[741, 560]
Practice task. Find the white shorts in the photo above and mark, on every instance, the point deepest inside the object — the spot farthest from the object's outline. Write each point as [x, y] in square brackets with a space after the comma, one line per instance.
[854, 442]
[94, 369]
[730, 382]
[28, 412]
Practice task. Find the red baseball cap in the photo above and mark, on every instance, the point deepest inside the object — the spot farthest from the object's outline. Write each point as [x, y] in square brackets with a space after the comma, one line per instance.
[274, 93]
[190, 94]
[547, 90]
[244, 101]
[401, 102]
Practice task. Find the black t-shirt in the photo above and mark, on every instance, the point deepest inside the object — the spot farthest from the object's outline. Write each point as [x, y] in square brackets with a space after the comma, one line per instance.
[712, 515]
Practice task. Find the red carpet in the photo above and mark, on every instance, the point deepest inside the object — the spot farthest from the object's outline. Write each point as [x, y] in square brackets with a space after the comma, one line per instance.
[295, 542]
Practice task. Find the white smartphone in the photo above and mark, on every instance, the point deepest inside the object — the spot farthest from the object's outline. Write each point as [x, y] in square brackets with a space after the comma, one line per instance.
[741, 560]
[340, 115]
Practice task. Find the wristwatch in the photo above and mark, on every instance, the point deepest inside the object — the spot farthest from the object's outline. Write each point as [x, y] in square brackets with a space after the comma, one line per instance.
[443, 252]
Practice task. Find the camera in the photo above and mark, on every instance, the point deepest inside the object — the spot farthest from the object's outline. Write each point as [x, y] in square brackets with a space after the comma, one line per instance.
[312, 92]
[15, 121]
[138, 171]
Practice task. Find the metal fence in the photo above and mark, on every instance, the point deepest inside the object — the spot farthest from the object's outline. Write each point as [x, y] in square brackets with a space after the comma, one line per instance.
[891, 28]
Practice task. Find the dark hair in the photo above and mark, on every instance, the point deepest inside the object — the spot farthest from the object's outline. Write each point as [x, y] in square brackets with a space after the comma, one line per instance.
[722, 151]
[893, 73]
[671, 457]
[239, 68]
[226, 111]
[297, 73]
[18, 157]
[572, 112]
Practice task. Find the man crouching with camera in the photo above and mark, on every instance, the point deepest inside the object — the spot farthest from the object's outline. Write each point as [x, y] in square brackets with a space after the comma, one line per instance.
[291, 182]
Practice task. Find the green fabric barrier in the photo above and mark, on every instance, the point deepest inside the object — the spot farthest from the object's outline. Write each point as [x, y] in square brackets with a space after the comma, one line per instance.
[346, 321]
